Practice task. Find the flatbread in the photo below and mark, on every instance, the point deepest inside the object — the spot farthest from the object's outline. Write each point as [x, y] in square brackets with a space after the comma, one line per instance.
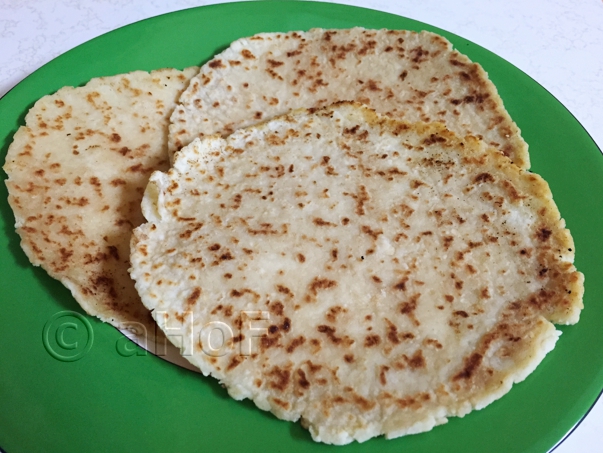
[407, 75]
[76, 175]
[366, 275]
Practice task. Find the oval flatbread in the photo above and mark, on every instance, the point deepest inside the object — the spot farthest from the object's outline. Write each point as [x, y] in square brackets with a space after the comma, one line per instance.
[76, 175]
[407, 75]
[366, 275]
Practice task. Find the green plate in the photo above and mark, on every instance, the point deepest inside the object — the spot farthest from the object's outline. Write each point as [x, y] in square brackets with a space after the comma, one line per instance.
[116, 397]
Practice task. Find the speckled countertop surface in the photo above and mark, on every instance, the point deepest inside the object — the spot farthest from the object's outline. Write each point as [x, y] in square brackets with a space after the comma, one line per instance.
[559, 43]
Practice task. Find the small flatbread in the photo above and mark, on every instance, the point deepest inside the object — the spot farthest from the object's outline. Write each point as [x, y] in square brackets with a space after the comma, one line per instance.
[76, 175]
[366, 275]
[407, 75]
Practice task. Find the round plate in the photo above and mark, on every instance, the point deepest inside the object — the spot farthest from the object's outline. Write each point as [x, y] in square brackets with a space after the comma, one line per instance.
[93, 391]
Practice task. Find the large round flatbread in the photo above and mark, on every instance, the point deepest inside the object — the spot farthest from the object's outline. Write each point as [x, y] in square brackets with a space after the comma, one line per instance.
[76, 175]
[366, 275]
[407, 75]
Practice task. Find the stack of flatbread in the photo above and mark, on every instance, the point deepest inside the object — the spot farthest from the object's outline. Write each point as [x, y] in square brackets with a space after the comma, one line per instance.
[406, 75]
[347, 235]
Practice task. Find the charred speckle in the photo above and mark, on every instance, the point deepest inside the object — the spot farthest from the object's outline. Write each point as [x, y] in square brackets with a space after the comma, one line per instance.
[216, 64]
[544, 234]
[484, 177]
[471, 365]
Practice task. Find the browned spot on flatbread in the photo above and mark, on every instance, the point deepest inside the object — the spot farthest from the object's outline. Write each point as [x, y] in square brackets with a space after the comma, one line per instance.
[279, 378]
[471, 364]
[194, 296]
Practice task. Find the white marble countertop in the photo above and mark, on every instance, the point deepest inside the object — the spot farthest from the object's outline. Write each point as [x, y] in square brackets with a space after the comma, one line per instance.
[557, 42]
